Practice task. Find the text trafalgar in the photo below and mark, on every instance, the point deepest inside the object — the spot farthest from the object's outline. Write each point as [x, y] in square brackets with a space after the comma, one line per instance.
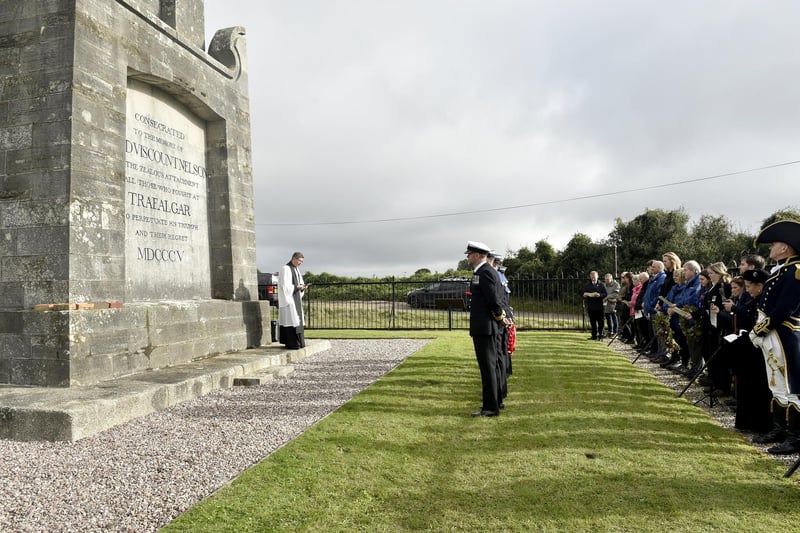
[158, 204]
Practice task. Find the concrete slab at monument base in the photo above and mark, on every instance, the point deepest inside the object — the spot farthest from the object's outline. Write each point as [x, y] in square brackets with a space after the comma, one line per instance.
[69, 414]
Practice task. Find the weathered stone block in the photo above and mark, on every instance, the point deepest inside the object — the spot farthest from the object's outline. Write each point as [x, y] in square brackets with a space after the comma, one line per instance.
[12, 295]
[15, 346]
[39, 267]
[40, 372]
[16, 137]
[92, 369]
[53, 212]
[53, 347]
[40, 241]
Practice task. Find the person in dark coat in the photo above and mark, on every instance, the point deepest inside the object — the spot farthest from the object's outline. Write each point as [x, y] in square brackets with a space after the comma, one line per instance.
[753, 396]
[486, 318]
[594, 293]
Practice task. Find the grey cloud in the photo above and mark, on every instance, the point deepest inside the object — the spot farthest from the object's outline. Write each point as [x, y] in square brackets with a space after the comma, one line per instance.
[383, 109]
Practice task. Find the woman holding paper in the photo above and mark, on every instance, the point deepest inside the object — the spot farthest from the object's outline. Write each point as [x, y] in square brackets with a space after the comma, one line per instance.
[719, 291]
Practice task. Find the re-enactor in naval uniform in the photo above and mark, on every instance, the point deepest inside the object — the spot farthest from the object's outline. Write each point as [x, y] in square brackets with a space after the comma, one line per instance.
[291, 289]
[485, 322]
[777, 333]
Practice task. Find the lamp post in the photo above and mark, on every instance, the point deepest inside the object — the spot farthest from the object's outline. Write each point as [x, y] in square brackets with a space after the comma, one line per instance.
[615, 260]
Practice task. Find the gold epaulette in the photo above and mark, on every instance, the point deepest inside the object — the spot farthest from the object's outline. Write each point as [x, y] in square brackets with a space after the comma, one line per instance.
[794, 261]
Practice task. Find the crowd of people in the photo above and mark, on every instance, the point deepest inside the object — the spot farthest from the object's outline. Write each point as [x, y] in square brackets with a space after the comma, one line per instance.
[737, 334]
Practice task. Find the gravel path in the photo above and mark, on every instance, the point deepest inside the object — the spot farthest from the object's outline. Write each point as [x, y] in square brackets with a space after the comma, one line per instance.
[141, 475]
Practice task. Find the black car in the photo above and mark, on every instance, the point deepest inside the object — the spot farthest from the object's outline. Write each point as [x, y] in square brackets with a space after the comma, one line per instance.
[268, 287]
[441, 295]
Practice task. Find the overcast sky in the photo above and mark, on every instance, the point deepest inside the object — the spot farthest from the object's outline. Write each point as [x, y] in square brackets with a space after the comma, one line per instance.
[485, 120]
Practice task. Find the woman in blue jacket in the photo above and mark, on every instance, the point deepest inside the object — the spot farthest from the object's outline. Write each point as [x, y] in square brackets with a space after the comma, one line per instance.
[686, 300]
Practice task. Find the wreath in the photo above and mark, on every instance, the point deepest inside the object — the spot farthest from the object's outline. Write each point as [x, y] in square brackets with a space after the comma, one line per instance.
[692, 328]
[664, 332]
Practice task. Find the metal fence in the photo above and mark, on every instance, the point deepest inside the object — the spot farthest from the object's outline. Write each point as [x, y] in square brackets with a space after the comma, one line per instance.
[538, 303]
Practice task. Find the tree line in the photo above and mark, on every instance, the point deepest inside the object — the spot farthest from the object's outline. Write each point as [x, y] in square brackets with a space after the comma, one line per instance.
[628, 246]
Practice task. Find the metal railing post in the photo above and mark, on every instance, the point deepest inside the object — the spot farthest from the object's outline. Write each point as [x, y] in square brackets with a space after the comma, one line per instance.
[308, 311]
[394, 303]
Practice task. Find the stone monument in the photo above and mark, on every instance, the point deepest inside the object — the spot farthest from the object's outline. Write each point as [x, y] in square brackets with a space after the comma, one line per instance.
[127, 238]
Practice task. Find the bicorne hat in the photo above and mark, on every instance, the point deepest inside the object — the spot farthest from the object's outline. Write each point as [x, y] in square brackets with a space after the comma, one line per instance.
[787, 231]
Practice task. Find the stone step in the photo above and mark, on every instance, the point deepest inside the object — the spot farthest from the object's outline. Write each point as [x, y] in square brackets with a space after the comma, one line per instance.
[69, 414]
[280, 371]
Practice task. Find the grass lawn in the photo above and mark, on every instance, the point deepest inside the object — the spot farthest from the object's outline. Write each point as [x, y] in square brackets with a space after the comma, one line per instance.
[587, 442]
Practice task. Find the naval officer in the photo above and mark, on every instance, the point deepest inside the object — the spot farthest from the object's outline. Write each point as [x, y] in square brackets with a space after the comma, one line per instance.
[485, 322]
[777, 333]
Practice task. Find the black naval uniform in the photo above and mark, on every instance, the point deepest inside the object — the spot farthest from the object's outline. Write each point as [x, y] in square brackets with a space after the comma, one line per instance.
[778, 335]
[779, 312]
[485, 323]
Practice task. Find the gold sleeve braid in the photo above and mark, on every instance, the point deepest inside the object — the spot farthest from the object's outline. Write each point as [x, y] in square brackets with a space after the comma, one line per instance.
[762, 328]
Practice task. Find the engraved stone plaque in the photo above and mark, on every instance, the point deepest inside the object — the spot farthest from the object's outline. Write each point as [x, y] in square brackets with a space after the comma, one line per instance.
[166, 218]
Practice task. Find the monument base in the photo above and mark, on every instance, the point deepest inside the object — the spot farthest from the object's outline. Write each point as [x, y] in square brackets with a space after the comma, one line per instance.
[69, 414]
[84, 346]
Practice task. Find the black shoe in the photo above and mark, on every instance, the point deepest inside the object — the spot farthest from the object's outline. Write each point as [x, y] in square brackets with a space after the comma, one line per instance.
[502, 406]
[730, 402]
[486, 413]
[691, 374]
[787, 447]
[592, 339]
[660, 359]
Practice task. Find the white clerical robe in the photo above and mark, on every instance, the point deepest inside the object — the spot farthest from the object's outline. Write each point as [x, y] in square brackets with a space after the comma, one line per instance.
[290, 309]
